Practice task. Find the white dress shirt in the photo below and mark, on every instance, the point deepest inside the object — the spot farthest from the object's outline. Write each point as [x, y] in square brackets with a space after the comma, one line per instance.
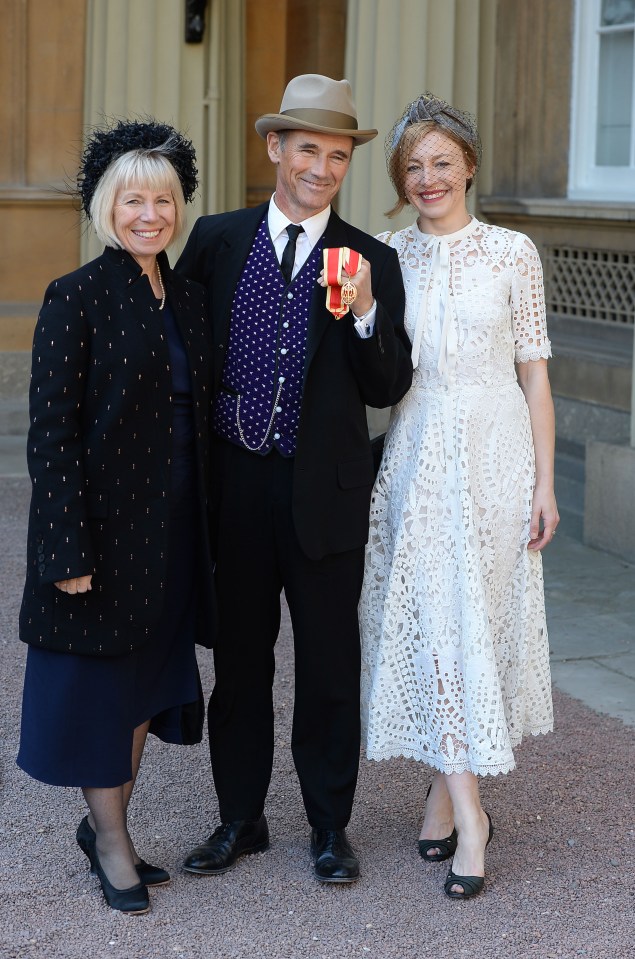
[313, 229]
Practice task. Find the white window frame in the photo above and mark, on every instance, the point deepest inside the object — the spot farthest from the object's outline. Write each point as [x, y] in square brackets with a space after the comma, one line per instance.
[586, 179]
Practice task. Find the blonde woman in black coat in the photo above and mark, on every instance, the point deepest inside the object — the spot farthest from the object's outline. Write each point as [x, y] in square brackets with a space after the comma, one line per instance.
[118, 587]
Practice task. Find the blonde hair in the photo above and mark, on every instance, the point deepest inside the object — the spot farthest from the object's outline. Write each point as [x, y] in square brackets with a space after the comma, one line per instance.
[143, 169]
[410, 138]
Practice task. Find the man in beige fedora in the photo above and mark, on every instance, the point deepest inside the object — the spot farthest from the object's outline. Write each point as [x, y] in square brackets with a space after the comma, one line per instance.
[294, 470]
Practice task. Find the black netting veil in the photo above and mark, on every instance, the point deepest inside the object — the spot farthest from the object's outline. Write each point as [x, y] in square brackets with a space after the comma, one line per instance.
[433, 147]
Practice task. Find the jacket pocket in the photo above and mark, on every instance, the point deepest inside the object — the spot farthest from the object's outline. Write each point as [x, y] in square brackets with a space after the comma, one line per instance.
[356, 473]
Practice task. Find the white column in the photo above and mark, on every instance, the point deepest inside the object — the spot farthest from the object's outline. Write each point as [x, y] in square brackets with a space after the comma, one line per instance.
[224, 173]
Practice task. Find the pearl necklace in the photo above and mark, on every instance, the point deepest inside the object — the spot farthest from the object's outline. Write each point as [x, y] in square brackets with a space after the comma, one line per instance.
[162, 287]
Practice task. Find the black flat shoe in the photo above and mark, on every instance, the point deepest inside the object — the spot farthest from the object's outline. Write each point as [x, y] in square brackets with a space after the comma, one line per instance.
[333, 856]
[134, 901]
[226, 845]
[148, 875]
[472, 885]
[447, 846]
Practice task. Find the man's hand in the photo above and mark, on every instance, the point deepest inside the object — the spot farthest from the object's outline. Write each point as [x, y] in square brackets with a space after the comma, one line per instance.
[361, 280]
[81, 584]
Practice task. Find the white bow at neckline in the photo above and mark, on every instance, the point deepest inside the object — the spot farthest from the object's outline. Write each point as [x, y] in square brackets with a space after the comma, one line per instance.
[434, 309]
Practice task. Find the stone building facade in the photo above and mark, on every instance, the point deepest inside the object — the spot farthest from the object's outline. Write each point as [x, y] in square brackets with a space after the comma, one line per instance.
[551, 82]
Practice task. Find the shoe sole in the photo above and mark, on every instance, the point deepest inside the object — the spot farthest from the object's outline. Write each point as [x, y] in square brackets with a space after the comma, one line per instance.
[220, 872]
[436, 858]
[335, 879]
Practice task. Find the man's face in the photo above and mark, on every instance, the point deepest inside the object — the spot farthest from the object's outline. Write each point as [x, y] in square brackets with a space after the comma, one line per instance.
[310, 170]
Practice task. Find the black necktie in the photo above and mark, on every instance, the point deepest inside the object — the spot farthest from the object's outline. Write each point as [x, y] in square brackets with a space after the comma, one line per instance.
[288, 254]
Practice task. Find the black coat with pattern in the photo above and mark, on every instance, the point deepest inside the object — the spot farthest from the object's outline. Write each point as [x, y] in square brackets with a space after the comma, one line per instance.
[99, 451]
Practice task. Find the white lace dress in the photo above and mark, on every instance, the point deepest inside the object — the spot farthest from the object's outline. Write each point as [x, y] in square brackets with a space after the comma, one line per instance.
[455, 657]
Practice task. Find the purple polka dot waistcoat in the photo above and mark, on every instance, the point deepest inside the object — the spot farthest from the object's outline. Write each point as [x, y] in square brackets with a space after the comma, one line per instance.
[258, 406]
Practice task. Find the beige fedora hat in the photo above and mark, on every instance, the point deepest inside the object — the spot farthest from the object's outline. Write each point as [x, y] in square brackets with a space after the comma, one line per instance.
[314, 102]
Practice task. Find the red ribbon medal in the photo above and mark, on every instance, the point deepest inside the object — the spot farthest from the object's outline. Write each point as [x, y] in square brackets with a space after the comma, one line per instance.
[339, 296]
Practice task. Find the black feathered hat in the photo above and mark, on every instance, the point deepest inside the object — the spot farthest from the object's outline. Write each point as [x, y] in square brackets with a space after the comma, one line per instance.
[104, 146]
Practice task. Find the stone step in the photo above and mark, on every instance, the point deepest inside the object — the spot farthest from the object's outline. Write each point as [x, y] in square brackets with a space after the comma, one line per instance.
[15, 371]
[571, 467]
[569, 484]
[571, 523]
[14, 417]
[13, 456]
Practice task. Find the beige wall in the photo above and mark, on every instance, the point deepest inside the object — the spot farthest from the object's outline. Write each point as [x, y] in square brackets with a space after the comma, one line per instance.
[41, 78]
[531, 136]
[533, 98]
[139, 64]
[284, 38]
[397, 49]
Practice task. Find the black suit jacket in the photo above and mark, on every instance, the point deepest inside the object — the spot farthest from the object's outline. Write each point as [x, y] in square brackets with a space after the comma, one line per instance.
[333, 471]
[99, 452]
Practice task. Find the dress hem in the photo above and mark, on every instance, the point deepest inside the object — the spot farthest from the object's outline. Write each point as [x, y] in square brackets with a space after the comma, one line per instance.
[404, 752]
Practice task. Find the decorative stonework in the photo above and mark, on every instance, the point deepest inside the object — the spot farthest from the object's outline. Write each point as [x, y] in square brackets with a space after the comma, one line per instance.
[590, 283]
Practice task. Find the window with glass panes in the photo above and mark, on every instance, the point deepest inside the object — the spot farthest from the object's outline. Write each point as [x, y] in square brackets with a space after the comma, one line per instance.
[603, 141]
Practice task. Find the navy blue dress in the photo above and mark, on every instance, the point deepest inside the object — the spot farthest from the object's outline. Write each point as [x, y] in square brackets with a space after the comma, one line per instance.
[79, 712]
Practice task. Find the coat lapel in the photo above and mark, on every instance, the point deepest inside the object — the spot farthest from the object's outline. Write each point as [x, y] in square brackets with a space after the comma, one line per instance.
[193, 328]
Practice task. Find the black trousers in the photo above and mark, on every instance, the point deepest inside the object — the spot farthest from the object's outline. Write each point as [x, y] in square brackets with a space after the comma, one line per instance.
[258, 556]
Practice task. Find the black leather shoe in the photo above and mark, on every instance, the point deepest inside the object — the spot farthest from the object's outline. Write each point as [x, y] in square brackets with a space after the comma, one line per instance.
[148, 875]
[333, 856]
[228, 843]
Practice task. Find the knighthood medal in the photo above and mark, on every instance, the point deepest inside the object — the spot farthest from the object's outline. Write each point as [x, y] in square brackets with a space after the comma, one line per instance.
[340, 296]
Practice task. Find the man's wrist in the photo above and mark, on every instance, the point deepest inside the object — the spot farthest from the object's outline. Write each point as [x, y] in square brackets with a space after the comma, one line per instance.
[362, 316]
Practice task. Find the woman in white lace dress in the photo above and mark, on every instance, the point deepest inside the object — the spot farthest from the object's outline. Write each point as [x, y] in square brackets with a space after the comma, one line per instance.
[455, 666]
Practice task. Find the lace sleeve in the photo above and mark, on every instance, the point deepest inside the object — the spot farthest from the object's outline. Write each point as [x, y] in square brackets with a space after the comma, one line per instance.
[528, 304]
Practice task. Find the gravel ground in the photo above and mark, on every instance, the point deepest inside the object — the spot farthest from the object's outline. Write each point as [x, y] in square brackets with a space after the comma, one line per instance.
[560, 867]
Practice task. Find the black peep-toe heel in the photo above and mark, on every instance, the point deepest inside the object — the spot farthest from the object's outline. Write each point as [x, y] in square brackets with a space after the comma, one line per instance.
[447, 845]
[472, 885]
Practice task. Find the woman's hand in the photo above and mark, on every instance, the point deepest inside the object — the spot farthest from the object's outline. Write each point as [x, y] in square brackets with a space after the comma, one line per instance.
[543, 506]
[81, 584]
